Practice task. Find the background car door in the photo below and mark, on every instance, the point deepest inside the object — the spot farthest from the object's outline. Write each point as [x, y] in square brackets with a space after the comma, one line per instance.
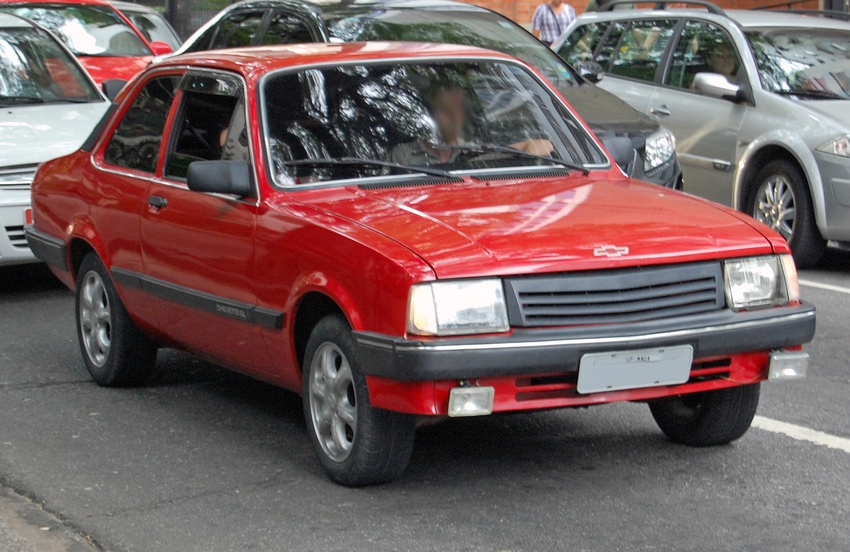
[124, 170]
[198, 247]
[706, 128]
[631, 55]
[287, 28]
[236, 29]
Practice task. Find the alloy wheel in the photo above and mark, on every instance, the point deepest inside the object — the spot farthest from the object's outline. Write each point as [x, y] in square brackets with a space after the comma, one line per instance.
[95, 319]
[775, 205]
[333, 402]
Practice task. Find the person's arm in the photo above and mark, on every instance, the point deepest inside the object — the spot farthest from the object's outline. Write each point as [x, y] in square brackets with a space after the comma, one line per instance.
[535, 22]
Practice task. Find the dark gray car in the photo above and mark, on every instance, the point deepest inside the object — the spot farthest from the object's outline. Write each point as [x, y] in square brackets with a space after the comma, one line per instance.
[758, 100]
[285, 22]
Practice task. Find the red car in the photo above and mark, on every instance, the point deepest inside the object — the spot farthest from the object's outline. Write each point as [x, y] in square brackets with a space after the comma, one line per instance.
[105, 42]
[400, 230]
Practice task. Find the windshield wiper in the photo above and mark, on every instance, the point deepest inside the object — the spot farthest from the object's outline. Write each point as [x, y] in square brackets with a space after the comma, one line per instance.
[493, 148]
[13, 100]
[357, 161]
[822, 94]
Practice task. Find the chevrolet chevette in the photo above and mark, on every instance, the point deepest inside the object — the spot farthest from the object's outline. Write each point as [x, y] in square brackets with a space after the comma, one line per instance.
[405, 230]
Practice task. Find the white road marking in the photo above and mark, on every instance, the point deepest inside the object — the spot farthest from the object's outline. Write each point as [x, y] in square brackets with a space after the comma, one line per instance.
[801, 433]
[829, 287]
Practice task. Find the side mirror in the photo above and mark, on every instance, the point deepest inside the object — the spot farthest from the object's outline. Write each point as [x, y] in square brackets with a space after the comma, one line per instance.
[717, 86]
[621, 150]
[160, 48]
[590, 70]
[111, 87]
[221, 177]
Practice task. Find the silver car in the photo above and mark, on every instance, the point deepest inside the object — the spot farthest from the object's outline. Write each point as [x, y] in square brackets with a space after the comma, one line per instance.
[759, 103]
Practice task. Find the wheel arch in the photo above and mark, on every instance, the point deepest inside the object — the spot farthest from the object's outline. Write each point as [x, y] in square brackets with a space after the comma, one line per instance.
[312, 307]
[779, 145]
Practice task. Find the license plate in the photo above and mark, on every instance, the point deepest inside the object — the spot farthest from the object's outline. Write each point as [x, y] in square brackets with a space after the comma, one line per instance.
[600, 372]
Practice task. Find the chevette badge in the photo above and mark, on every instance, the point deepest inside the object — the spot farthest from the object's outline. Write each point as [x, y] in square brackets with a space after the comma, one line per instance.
[610, 251]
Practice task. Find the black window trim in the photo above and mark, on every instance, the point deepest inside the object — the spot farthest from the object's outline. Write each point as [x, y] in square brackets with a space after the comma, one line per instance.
[267, 10]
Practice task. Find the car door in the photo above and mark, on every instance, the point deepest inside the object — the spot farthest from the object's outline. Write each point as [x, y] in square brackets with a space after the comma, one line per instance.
[123, 170]
[198, 248]
[631, 54]
[706, 128]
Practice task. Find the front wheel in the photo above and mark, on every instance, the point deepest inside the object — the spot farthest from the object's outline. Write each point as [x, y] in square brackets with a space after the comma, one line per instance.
[116, 353]
[357, 444]
[781, 200]
[708, 418]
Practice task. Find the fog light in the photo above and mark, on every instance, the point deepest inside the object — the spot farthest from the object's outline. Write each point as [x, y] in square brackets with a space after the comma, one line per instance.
[787, 365]
[471, 401]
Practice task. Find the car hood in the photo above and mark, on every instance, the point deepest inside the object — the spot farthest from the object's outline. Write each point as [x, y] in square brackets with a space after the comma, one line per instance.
[546, 225]
[837, 109]
[32, 134]
[103, 68]
[604, 111]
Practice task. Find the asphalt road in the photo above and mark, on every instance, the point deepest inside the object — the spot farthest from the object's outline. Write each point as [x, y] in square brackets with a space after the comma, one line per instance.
[205, 460]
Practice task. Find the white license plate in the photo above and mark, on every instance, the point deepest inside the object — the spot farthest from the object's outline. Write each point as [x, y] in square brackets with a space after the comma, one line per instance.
[599, 372]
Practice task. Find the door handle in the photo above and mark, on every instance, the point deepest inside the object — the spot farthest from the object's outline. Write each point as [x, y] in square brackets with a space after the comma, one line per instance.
[661, 111]
[157, 202]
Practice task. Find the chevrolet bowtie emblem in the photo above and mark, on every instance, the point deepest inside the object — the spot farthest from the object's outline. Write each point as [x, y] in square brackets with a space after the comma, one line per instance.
[610, 251]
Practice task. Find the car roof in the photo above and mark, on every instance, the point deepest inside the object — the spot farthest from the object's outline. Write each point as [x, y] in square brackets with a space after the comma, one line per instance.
[267, 58]
[130, 6]
[744, 18]
[79, 2]
[11, 21]
[332, 6]
[766, 18]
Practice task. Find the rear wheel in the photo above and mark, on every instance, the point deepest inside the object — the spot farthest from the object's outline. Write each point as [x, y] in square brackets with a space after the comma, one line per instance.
[708, 418]
[781, 200]
[357, 444]
[116, 353]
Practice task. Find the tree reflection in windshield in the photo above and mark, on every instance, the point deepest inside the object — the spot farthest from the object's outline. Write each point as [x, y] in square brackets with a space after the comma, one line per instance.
[34, 69]
[813, 63]
[375, 111]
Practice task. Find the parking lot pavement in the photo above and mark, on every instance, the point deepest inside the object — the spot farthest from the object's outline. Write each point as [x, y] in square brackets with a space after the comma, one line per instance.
[203, 459]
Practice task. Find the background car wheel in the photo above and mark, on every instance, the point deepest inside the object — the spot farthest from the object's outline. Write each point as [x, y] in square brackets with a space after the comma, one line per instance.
[782, 201]
[357, 445]
[708, 418]
[116, 353]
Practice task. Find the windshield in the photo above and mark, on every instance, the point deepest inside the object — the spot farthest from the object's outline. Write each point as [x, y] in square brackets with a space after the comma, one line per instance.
[810, 63]
[484, 30]
[85, 30]
[153, 27]
[449, 116]
[34, 69]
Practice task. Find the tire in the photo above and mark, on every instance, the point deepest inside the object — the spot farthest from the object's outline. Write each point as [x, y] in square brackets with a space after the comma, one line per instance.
[781, 199]
[709, 418]
[116, 353]
[357, 444]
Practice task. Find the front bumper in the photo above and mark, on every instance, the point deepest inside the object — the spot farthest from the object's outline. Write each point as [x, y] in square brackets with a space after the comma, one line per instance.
[13, 244]
[541, 351]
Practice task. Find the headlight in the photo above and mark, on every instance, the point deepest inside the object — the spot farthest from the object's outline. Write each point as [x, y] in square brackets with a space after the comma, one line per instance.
[660, 146]
[457, 307]
[761, 282]
[838, 146]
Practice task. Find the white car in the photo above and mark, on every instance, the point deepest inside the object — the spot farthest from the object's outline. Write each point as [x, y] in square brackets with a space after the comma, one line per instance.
[48, 107]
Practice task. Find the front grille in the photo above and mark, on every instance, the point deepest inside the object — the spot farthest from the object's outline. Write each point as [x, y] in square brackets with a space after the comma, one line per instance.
[18, 177]
[614, 296]
[16, 236]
